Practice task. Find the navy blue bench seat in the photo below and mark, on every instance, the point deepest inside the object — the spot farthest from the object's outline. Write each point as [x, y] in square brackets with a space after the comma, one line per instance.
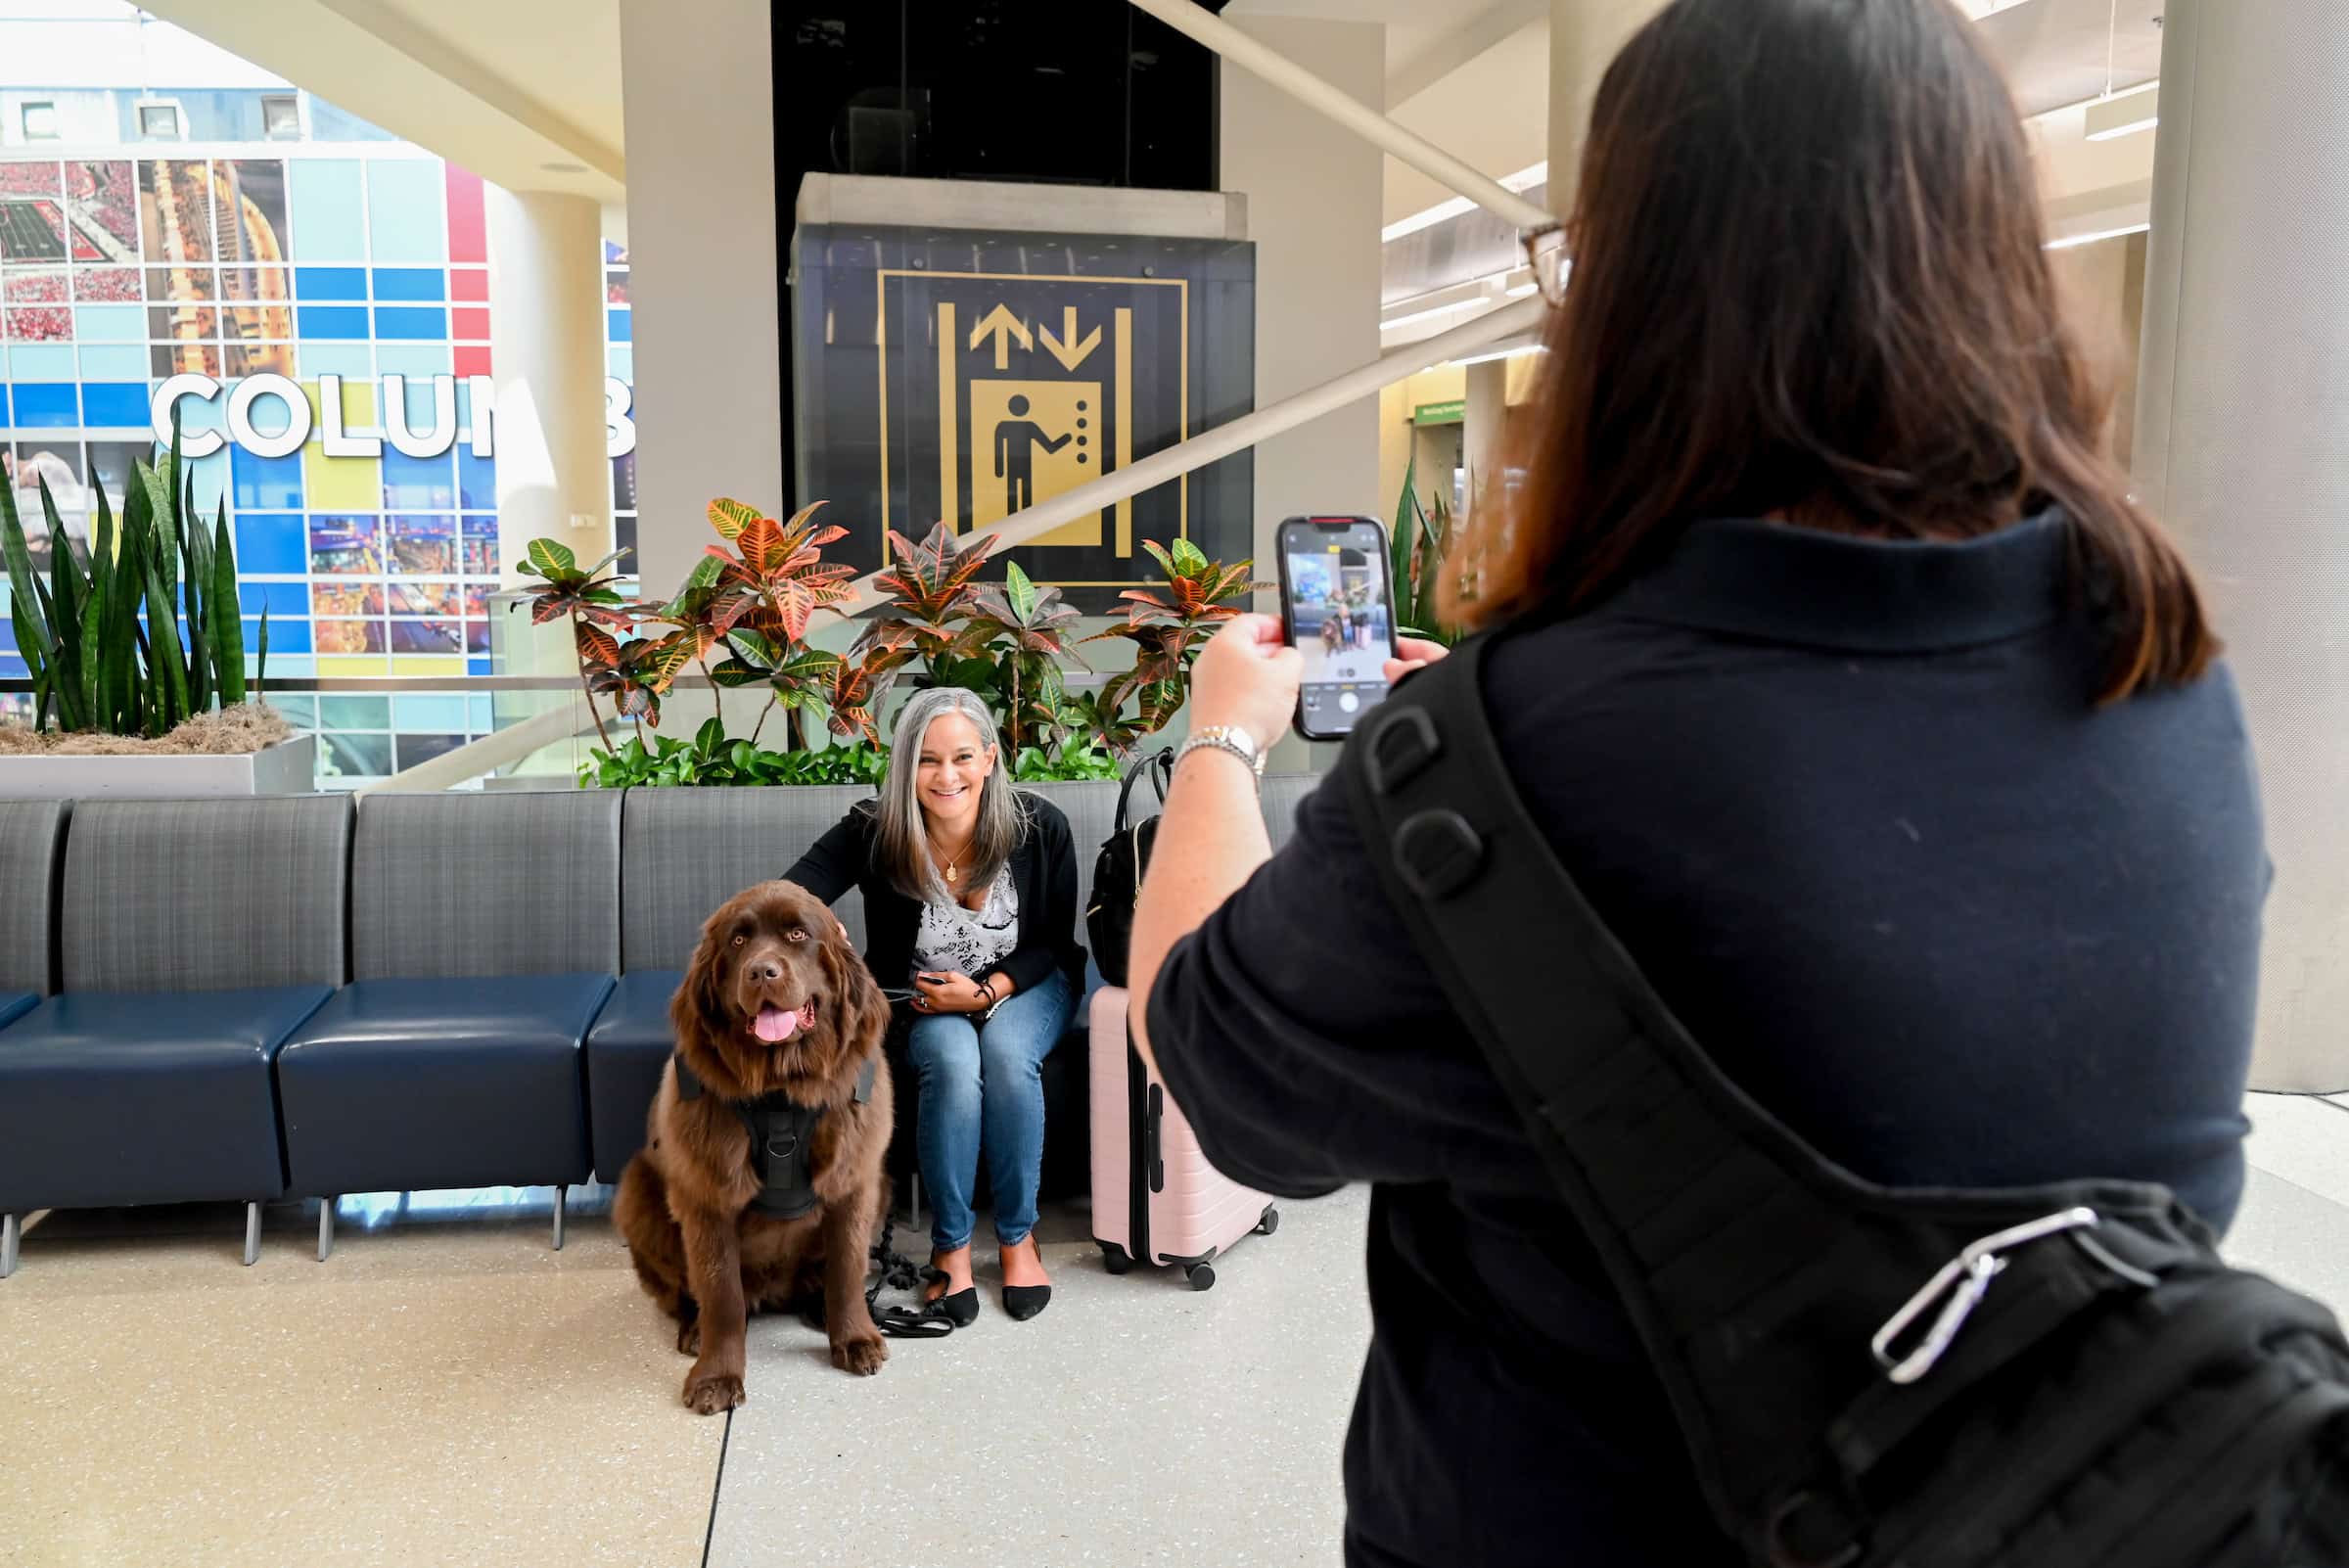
[192, 939]
[481, 1078]
[109, 1100]
[15, 1004]
[482, 946]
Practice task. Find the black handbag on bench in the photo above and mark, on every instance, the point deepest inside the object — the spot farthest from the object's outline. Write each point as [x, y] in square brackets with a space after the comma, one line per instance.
[1867, 1378]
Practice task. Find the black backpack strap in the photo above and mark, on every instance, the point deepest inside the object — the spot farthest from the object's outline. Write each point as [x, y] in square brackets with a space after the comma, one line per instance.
[1697, 1201]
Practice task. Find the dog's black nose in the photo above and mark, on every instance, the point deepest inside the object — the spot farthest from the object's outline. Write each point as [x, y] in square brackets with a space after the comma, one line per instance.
[768, 969]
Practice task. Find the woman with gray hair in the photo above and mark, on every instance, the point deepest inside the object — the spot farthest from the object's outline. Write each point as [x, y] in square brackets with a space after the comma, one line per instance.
[970, 900]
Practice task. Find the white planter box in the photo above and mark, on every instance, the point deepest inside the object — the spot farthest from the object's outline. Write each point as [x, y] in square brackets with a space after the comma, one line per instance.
[289, 767]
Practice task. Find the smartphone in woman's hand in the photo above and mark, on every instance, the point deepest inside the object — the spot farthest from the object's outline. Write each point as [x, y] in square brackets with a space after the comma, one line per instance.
[1336, 598]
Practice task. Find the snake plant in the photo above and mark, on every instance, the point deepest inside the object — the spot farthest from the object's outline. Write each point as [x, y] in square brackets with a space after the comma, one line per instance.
[146, 630]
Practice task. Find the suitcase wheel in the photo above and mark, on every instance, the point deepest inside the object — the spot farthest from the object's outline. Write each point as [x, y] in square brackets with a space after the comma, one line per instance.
[1269, 1223]
[1116, 1259]
[1200, 1275]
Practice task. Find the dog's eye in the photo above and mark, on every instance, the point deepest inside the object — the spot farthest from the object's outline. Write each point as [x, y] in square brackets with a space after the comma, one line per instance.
[740, 940]
[796, 933]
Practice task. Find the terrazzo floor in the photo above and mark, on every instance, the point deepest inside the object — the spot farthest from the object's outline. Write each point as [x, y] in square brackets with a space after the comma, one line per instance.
[446, 1390]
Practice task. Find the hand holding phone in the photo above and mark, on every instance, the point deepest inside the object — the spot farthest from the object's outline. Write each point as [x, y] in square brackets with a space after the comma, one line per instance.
[1246, 679]
[1336, 594]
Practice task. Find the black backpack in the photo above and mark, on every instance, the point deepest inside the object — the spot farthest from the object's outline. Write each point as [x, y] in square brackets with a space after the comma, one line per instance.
[1117, 870]
[1867, 1378]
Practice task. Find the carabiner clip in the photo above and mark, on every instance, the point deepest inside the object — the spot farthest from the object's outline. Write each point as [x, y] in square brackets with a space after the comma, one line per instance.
[1964, 1279]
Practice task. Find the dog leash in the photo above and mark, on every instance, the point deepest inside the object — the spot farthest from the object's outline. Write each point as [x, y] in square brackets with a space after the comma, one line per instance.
[899, 1272]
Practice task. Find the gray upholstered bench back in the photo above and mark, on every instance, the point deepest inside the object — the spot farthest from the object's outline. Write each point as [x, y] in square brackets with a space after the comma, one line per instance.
[33, 857]
[1283, 794]
[211, 895]
[445, 886]
[685, 851]
[1091, 810]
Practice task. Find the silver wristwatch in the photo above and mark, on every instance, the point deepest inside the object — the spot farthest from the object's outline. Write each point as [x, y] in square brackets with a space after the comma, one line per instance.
[1224, 738]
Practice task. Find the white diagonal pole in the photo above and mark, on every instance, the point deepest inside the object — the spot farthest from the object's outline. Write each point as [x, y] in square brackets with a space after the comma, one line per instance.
[1257, 59]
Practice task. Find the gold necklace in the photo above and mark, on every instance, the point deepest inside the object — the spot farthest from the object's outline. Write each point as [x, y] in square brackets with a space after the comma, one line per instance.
[953, 861]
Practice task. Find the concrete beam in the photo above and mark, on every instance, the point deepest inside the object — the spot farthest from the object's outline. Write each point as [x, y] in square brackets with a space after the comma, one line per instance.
[368, 59]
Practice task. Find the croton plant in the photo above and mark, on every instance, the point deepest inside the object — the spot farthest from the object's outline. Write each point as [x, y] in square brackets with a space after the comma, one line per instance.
[754, 597]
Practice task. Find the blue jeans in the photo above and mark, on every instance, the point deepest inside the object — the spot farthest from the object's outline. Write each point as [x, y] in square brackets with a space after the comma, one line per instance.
[982, 1083]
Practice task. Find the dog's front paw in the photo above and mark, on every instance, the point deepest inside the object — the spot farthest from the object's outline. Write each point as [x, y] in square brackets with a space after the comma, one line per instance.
[861, 1356]
[707, 1393]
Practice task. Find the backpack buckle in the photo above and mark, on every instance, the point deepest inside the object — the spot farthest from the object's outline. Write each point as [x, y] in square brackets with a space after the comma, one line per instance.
[1405, 742]
[1437, 854]
[1958, 1288]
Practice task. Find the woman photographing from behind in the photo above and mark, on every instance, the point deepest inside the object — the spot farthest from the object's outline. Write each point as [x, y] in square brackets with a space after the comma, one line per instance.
[970, 898]
[1866, 710]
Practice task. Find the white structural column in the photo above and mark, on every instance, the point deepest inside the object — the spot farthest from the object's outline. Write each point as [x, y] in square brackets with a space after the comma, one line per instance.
[1314, 194]
[1583, 36]
[1483, 421]
[546, 314]
[2243, 447]
[698, 91]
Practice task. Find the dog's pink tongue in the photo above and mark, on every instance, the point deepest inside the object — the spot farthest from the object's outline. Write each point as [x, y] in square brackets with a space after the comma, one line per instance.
[773, 1025]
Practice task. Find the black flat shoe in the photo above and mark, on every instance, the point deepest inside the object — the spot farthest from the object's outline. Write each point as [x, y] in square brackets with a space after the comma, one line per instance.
[962, 1307]
[1022, 1302]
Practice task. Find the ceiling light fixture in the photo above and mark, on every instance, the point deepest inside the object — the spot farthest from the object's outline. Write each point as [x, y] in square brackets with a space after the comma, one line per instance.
[1502, 353]
[1525, 179]
[2125, 114]
[2078, 240]
[1475, 303]
[2105, 122]
[564, 169]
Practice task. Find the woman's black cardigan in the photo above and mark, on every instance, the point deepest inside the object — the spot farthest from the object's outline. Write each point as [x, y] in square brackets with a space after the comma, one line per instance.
[1043, 867]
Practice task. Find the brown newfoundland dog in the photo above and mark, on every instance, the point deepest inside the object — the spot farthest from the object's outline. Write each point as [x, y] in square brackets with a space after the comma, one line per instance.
[776, 1012]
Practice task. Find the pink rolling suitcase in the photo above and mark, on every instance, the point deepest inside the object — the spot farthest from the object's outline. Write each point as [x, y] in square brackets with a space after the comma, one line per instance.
[1156, 1199]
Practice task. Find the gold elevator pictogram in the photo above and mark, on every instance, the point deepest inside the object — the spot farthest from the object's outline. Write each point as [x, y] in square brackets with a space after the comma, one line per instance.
[1034, 392]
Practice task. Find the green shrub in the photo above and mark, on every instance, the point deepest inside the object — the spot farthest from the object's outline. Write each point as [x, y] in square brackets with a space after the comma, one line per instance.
[104, 637]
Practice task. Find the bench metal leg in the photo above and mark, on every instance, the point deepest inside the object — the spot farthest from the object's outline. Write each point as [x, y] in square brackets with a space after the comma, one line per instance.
[913, 1201]
[562, 1196]
[326, 1228]
[9, 1233]
[252, 1234]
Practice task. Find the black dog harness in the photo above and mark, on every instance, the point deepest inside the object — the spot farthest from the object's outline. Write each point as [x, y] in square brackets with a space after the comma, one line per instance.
[782, 1134]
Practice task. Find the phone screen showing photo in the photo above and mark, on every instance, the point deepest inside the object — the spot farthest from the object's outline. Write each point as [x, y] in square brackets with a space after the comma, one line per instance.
[1336, 582]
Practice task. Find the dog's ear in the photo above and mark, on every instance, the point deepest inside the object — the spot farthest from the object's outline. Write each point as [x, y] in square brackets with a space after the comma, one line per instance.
[698, 1011]
[863, 1010]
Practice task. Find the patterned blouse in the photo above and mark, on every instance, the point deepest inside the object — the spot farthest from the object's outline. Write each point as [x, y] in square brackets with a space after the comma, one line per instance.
[970, 942]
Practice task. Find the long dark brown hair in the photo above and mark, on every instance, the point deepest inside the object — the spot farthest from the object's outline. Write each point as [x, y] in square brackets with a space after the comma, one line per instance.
[1810, 282]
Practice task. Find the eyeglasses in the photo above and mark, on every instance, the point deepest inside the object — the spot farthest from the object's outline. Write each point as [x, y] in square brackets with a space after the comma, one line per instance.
[1545, 253]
